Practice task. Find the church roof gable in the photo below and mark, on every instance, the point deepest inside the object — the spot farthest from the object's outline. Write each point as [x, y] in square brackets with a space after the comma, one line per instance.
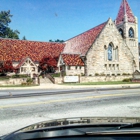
[81, 43]
[125, 10]
[23, 61]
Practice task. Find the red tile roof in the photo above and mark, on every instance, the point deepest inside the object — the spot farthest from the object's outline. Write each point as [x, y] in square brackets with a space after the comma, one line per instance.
[81, 43]
[72, 59]
[16, 50]
[125, 9]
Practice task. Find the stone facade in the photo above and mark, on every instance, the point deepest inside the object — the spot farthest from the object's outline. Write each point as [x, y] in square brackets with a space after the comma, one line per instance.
[97, 56]
[75, 70]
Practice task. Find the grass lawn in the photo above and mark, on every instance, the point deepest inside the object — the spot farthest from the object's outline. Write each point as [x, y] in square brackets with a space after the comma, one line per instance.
[3, 86]
[101, 83]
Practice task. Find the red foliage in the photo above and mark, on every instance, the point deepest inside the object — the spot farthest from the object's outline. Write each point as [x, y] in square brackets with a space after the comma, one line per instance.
[6, 66]
[48, 62]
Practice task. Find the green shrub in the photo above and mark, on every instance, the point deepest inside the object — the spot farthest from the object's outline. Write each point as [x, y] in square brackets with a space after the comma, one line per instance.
[23, 84]
[96, 74]
[55, 75]
[125, 74]
[29, 80]
[127, 80]
[19, 76]
[82, 74]
[102, 74]
[4, 77]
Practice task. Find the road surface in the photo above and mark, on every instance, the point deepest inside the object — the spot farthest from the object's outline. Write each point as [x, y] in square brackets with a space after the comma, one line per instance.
[16, 113]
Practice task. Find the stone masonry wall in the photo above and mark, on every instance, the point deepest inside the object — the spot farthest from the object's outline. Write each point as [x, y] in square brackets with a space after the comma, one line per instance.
[74, 70]
[85, 79]
[97, 61]
[15, 81]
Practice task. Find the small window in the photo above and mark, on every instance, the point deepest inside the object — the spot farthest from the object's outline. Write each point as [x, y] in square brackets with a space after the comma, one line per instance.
[76, 67]
[121, 32]
[117, 66]
[105, 66]
[80, 67]
[68, 67]
[131, 33]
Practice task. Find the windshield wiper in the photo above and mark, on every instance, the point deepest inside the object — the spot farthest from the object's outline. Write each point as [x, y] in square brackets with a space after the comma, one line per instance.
[130, 125]
[119, 130]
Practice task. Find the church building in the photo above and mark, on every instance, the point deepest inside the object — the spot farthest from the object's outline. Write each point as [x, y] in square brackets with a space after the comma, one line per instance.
[109, 49]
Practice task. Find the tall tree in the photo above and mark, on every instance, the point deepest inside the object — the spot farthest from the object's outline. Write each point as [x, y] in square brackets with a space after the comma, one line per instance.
[5, 31]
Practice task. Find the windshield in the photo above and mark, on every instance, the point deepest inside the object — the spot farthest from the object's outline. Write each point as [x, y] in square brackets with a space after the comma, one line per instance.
[68, 62]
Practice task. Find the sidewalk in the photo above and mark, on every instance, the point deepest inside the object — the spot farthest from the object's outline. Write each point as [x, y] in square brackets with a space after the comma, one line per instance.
[56, 86]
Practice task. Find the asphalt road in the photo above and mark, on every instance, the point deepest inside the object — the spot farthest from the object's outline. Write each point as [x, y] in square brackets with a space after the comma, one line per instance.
[19, 112]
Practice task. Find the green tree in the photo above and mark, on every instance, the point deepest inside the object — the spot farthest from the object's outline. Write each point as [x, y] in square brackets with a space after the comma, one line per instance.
[11, 33]
[5, 31]
[58, 40]
[24, 38]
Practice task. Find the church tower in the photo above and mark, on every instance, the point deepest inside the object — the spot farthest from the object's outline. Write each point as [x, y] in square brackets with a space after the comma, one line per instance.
[127, 25]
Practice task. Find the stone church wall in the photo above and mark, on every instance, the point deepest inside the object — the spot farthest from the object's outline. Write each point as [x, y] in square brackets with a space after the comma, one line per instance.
[74, 70]
[97, 60]
[103, 78]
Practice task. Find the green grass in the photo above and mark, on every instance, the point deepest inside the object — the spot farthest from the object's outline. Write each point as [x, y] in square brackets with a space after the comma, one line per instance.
[101, 83]
[3, 86]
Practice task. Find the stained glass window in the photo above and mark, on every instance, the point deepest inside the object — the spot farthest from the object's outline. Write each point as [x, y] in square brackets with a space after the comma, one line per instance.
[110, 49]
[131, 32]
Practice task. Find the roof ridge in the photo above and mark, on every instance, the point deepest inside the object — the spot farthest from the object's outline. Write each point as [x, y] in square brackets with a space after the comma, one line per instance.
[82, 42]
[124, 7]
[86, 31]
[12, 39]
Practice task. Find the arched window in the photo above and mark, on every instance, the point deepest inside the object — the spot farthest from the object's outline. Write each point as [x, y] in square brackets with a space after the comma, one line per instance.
[131, 33]
[105, 54]
[116, 54]
[110, 52]
[121, 32]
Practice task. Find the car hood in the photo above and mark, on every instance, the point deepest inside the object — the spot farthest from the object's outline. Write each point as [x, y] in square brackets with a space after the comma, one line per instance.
[80, 121]
[65, 123]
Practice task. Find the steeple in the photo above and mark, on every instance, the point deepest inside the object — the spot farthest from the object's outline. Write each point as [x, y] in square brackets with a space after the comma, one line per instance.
[125, 13]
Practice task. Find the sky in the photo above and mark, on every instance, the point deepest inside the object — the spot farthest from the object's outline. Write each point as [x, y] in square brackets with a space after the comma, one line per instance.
[42, 20]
